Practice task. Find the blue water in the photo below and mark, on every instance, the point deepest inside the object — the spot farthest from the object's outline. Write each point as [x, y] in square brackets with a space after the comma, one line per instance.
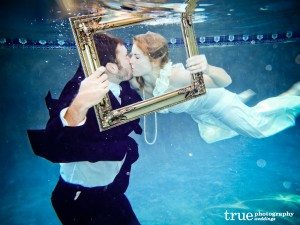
[180, 180]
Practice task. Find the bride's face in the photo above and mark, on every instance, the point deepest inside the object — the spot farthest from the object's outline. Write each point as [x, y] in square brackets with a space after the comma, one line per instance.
[140, 63]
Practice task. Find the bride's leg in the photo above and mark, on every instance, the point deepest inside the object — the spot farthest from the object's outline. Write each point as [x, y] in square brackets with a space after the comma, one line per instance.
[267, 118]
[294, 90]
[242, 119]
[245, 96]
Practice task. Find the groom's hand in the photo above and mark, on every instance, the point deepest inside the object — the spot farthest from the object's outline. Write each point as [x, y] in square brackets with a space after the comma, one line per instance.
[91, 92]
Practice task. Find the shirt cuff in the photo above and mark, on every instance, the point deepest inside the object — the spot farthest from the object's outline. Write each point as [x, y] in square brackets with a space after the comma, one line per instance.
[65, 122]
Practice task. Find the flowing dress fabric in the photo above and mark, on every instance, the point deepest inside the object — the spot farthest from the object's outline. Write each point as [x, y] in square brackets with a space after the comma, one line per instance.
[220, 114]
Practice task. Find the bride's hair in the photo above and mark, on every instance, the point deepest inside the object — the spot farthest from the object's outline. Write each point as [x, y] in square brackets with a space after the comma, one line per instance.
[155, 47]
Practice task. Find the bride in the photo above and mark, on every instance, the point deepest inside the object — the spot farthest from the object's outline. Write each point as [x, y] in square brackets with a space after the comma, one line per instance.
[220, 114]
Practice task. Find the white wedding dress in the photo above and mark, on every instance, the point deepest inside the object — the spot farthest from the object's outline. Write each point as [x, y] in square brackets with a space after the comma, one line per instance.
[220, 114]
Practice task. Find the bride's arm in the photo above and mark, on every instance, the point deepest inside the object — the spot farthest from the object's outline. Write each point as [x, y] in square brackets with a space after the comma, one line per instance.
[213, 76]
[216, 77]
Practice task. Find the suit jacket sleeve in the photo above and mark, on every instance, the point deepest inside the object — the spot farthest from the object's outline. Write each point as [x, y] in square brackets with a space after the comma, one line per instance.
[57, 150]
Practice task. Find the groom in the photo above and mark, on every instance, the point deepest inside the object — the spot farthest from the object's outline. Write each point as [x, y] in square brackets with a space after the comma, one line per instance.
[94, 166]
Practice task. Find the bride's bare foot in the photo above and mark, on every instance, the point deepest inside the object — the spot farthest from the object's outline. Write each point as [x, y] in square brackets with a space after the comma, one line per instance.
[246, 95]
[294, 90]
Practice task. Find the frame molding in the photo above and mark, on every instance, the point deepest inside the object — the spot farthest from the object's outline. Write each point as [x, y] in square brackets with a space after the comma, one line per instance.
[84, 27]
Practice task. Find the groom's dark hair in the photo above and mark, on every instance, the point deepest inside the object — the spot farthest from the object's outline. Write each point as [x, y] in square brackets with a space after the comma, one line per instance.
[106, 45]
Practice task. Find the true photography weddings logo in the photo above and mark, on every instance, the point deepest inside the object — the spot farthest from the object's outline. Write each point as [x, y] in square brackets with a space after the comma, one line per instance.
[256, 216]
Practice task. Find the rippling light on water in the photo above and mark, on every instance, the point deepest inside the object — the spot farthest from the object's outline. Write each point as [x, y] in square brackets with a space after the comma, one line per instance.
[244, 204]
[174, 19]
[163, 12]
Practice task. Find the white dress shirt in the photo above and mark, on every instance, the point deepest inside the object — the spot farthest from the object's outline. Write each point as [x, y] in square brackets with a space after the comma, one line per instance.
[86, 173]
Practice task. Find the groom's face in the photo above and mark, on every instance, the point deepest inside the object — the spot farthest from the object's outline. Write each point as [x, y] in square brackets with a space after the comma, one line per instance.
[123, 62]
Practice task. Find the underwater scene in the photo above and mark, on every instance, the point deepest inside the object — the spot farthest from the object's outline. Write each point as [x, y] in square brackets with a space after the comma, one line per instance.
[185, 174]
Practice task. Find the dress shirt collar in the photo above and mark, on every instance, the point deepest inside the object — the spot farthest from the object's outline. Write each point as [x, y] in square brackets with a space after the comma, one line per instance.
[115, 89]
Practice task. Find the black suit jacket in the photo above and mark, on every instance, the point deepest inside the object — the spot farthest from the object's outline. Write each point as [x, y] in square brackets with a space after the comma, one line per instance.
[86, 143]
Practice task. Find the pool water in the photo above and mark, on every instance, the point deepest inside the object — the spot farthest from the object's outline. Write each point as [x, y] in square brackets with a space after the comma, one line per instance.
[179, 180]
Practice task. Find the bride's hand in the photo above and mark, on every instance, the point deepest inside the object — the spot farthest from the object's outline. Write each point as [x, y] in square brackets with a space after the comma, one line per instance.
[197, 63]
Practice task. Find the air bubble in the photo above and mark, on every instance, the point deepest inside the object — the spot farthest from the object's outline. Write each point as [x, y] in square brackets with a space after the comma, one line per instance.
[261, 163]
[287, 184]
[268, 67]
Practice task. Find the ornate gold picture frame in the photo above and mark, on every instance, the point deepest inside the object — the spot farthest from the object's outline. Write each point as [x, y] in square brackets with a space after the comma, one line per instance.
[84, 27]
